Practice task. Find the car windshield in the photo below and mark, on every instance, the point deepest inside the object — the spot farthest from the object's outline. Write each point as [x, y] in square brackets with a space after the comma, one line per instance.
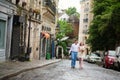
[94, 55]
[111, 53]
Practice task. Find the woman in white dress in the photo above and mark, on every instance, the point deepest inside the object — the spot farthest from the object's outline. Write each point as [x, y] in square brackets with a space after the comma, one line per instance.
[81, 55]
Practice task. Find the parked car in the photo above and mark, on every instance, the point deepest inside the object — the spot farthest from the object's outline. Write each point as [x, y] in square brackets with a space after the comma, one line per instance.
[117, 58]
[85, 58]
[93, 58]
[109, 58]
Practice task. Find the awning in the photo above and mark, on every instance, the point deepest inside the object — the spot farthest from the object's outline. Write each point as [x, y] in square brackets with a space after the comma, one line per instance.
[64, 38]
[46, 35]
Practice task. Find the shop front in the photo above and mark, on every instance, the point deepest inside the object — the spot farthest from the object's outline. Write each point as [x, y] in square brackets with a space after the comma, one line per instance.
[44, 45]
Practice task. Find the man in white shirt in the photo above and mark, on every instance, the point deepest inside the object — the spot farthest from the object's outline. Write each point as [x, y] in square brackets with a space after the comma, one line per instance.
[74, 51]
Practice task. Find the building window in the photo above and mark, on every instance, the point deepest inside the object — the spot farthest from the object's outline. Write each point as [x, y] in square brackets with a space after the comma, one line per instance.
[86, 9]
[17, 2]
[42, 28]
[85, 27]
[85, 30]
[86, 15]
[88, 4]
[2, 34]
[85, 20]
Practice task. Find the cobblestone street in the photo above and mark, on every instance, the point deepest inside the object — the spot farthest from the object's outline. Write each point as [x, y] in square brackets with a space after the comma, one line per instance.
[63, 71]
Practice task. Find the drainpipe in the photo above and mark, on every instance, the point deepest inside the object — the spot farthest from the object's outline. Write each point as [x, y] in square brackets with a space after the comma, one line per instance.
[28, 45]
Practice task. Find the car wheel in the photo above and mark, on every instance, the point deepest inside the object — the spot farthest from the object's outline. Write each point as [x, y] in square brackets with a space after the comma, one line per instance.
[114, 66]
[104, 65]
[118, 66]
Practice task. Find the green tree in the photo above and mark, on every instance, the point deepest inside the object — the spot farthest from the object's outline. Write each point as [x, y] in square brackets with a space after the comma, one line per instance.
[77, 15]
[105, 27]
[65, 30]
[73, 15]
[71, 11]
[115, 19]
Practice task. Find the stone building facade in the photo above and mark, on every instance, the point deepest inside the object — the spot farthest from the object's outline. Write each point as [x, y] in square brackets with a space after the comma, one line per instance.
[86, 17]
[32, 26]
[6, 18]
[49, 23]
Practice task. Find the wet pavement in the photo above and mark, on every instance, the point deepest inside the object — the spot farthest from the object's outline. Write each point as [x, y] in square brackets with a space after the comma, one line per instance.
[63, 71]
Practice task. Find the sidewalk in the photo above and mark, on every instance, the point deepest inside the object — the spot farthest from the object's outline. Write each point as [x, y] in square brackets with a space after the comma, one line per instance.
[9, 69]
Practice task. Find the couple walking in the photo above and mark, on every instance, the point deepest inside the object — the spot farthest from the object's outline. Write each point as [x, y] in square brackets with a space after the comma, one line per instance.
[77, 51]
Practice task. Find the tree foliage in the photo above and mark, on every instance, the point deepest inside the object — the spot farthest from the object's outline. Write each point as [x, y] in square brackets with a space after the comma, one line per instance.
[71, 11]
[105, 27]
[65, 30]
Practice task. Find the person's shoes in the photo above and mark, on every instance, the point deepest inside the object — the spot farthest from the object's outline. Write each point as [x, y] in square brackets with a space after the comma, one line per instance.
[73, 67]
[81, 68]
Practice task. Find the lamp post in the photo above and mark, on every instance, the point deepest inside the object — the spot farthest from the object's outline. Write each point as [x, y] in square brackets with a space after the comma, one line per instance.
[28, 44]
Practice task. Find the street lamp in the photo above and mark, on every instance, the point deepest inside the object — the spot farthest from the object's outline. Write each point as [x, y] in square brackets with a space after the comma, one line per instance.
[28, 45]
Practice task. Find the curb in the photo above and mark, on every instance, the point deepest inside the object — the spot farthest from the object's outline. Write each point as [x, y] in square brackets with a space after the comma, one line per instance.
[24, 70]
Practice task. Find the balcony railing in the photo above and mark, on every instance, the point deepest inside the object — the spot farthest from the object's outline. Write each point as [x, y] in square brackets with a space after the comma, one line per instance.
[49, 4]
[36, 17]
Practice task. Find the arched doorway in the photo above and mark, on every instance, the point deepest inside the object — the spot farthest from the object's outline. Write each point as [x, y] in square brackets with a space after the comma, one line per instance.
[59, 52]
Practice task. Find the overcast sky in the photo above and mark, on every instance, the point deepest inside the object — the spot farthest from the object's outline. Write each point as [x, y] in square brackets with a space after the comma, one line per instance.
[65, 4]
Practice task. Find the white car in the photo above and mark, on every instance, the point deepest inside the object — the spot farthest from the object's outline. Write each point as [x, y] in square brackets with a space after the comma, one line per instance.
[86, 57]
[116, 63]
[93, 58]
